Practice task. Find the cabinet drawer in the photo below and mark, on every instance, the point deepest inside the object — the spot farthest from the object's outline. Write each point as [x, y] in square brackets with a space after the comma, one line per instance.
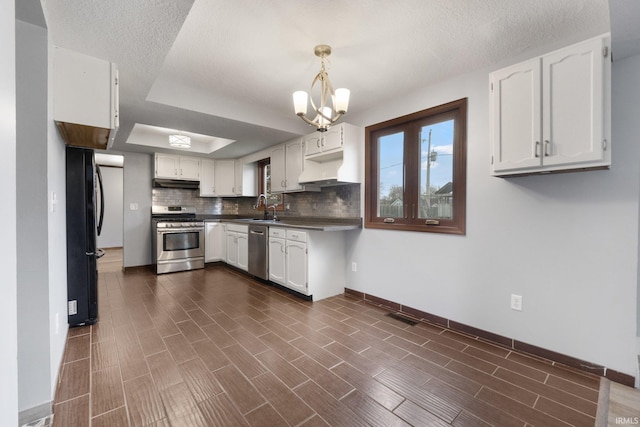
[238, 228]
[296, 235]
[277, 232]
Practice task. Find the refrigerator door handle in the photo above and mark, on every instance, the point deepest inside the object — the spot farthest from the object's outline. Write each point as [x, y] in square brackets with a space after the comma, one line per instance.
[100, 221]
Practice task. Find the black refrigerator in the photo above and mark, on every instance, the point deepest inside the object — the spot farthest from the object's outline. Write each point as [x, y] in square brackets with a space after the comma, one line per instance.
[82, 230]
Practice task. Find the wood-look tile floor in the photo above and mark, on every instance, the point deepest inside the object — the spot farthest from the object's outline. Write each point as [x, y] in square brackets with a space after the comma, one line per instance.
[214, 347]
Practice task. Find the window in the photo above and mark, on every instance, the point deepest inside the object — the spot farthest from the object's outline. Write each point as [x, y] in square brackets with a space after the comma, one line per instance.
[416, 171]
[264, 185]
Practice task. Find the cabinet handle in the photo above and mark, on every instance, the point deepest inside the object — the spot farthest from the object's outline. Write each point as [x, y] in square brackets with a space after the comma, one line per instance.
[322, 142]
[547, 145]
[318, 143]
[282, 183]
[537, 149]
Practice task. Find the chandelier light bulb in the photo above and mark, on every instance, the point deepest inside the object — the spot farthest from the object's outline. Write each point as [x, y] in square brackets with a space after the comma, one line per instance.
[325, 115]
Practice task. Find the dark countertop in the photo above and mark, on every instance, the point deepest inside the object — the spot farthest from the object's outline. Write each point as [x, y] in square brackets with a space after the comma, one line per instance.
[306, 223]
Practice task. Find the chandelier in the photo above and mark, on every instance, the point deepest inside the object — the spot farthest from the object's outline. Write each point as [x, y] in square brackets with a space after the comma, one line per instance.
[179, 141]
[325, 115]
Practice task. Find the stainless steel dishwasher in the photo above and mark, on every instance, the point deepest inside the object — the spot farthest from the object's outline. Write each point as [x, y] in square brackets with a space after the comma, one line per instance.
[259, 251]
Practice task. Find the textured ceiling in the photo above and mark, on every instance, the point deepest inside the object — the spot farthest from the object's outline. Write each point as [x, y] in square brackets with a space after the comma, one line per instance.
[227, 68]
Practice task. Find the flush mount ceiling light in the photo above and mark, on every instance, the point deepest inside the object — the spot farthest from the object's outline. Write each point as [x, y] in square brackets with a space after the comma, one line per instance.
[325, 115]
[179, 141]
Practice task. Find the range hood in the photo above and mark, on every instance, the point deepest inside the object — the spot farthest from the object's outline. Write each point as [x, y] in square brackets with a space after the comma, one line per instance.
[175, 183]
[329, 171]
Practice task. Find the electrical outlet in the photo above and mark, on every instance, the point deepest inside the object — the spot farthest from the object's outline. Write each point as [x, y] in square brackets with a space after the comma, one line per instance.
[354, 267]
[57, 323]
[516, 302]
[133, 206]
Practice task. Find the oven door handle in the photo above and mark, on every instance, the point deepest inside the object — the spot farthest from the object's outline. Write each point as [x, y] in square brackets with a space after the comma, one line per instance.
[180, 230]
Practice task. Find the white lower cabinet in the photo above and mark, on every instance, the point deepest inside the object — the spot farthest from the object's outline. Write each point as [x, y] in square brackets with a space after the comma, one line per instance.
[297, 261]
[277, 260]
[309, 262]
[238, 246]
[215, 242]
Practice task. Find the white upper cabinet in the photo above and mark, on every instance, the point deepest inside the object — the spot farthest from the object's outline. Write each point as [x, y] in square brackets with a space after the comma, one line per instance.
[177, 167]
[332, 157]
[322, 143]
[225, 178]
[85, 99]
[278, 171]
[189, 168]
[552, 113]
[207, 178]
[246, 178]
[287, 163]
[312, 144]
[294, 165]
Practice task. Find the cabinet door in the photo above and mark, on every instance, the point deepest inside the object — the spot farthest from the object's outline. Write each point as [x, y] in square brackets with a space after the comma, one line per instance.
[167, 166]
[278, 174]
[296, 256]
[85, 89]
[207, 178]
[237, 187]
[573, 100]
[294, 165]
[277, 260]
[189, 168]
[215, 242]
[312, 144]
[243, 251]
[225, 177]
[232, 248]
[332, 139]
[516, 110]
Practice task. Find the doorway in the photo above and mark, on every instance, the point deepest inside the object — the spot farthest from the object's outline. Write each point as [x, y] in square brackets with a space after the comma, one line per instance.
[111, 235]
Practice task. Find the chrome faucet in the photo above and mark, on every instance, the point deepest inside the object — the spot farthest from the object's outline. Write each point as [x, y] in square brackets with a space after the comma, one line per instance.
[262, 196]
[275, 217]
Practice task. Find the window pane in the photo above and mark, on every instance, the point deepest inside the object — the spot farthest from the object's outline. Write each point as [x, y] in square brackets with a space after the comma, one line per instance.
[436, 171]
[391, 176]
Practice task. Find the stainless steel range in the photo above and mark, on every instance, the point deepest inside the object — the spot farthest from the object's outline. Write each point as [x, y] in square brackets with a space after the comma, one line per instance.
[178, 239]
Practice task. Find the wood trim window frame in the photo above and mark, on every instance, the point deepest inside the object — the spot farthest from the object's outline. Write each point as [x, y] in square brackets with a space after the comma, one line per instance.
[411, 222]
[262, 164]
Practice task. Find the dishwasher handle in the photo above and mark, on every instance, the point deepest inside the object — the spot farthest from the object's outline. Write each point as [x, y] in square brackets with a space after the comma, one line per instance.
[261, 233]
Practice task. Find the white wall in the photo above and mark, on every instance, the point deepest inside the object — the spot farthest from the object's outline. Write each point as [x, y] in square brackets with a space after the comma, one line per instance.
[138, 174]
[8, 251]
[57, 231]
[567, 243]
[112, 227]
[34, 376]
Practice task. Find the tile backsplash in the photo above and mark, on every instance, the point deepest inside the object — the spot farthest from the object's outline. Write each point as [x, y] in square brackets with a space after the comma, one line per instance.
[341, 201]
